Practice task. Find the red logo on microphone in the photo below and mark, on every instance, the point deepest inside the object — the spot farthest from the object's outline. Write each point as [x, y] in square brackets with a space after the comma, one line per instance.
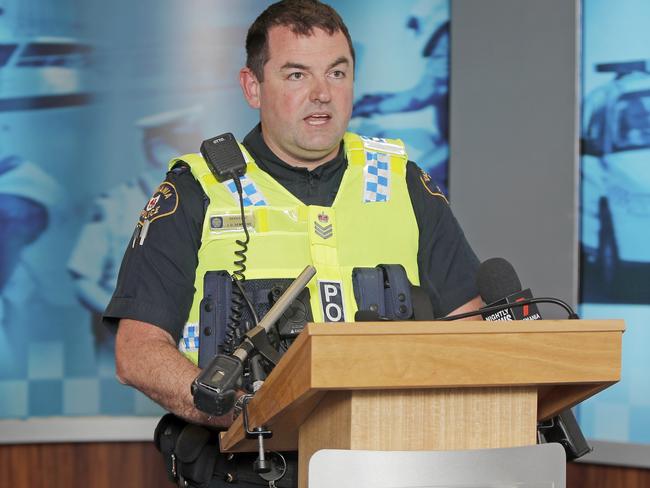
[525, 307]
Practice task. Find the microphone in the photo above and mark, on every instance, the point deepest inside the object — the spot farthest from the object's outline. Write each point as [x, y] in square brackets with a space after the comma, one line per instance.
[498, 284]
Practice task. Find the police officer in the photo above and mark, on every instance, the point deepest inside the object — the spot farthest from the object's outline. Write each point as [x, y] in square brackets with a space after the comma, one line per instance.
[95, 259]
[313, 195]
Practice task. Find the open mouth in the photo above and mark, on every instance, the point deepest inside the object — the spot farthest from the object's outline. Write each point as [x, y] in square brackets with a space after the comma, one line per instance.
[317, 119]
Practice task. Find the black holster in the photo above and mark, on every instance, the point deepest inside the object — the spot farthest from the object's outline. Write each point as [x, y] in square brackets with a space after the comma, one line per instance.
[189, 451]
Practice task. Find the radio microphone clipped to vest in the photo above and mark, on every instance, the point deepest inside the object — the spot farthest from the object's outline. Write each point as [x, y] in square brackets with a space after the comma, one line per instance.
[225, 160]
[223, 157]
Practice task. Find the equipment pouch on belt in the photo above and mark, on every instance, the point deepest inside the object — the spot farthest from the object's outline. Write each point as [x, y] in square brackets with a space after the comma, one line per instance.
[192, 456]
[190, 451]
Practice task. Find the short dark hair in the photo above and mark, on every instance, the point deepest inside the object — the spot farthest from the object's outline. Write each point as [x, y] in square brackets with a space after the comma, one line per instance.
[302, 16]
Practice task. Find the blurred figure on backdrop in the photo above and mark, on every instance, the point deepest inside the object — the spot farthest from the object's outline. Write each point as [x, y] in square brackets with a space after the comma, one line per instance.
[27, 194]
[96, 257]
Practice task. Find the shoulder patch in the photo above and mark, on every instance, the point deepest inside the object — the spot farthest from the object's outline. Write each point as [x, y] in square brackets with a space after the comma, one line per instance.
[164, 202]
[431, 187]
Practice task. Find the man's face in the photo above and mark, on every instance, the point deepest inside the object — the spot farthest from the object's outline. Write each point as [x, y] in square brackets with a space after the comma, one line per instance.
[305, 100]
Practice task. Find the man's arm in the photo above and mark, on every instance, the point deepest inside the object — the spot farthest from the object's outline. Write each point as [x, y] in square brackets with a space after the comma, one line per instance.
[447, 264]
[474, 304]
[147, 359]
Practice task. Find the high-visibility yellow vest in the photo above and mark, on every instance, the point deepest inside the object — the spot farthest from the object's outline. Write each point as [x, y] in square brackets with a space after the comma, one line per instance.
[371, 222]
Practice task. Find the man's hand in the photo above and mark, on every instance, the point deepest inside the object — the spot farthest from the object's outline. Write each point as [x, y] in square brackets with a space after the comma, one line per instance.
[147, 359]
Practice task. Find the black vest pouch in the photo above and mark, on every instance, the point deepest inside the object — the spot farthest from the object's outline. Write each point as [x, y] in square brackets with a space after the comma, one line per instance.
[225, 316]
[384, 290]
[368, 286]
[397, 292]
[214, 312]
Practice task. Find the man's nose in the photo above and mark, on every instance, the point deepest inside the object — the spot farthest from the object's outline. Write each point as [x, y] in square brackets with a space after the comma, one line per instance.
[320, 91]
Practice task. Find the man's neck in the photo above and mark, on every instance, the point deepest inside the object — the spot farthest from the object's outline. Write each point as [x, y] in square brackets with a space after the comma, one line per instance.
[309, 164]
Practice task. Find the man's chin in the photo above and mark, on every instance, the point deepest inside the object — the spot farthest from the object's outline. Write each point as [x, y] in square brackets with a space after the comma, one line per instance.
[318, 152]
[321, 143]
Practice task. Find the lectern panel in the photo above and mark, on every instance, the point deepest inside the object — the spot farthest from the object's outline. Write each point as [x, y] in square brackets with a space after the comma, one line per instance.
[415, 420]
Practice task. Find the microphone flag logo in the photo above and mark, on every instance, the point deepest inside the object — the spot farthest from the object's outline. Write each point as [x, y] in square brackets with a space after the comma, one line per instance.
[524, 312]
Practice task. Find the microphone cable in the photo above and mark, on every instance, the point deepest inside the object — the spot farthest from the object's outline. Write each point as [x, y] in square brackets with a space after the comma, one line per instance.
[504, 306]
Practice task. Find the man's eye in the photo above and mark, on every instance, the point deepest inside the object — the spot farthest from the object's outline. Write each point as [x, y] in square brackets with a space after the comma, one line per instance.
[338, 74]
[296, 76]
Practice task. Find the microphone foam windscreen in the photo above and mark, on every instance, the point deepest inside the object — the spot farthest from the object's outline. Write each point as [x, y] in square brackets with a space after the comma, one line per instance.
[496, 279]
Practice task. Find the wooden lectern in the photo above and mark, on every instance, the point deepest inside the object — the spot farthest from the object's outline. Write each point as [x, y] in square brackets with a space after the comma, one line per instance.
[428, 385]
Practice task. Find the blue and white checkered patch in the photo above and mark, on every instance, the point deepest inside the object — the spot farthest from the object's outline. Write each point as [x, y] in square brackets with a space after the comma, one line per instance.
[382, 145]
[376, 177]
[252, 196]
[190, 340]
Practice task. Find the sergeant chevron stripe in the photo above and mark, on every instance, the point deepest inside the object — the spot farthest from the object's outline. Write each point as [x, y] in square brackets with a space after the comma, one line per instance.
[323, 231]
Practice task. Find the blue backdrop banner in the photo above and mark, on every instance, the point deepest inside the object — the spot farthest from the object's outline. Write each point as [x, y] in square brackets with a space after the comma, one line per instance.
[95, 98]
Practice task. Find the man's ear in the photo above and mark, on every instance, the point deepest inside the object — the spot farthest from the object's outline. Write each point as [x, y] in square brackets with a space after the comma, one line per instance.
[250, 86]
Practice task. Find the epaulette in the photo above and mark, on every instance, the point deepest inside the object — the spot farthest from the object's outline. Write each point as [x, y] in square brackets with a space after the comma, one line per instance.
[180, 167]
[383, 145]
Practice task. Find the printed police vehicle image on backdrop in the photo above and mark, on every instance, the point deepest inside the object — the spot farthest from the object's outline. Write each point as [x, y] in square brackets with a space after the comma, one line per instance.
[615, 139]
[108, 112]
[616, 184]
[615, 210]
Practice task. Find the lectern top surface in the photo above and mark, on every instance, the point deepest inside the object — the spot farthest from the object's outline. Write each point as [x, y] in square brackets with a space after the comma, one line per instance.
[461, 327]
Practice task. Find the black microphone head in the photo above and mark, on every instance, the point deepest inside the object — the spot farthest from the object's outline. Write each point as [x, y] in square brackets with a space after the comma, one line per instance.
[496, 279]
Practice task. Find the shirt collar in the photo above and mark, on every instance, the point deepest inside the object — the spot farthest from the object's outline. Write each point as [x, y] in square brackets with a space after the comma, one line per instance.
[270, 163]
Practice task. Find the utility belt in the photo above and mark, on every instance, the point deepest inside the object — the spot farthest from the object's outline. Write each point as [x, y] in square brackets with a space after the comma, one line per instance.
[192, 459]
[227, 311]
